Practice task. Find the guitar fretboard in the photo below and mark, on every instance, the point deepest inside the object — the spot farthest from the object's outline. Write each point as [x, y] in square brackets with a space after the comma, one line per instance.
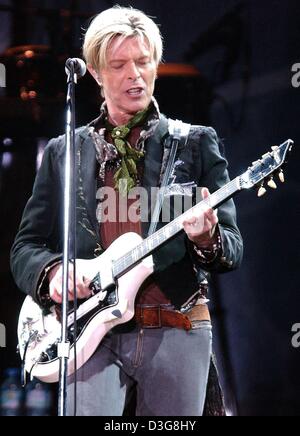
[150, 244]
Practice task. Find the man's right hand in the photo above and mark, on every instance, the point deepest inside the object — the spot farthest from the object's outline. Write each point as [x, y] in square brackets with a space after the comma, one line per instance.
[55, 284]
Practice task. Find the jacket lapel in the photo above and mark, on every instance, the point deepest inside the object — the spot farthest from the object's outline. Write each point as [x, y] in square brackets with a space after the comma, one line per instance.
[87, 177]
[154, 152]
[153, 164]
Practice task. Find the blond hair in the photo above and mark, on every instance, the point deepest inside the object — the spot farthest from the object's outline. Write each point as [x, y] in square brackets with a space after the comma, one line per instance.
[124, 22]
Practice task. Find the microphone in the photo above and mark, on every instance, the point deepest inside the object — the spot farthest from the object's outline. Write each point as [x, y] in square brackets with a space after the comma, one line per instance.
[78, 65]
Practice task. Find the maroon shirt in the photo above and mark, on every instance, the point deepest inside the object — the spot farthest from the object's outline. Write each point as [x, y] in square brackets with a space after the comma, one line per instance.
[149, 293]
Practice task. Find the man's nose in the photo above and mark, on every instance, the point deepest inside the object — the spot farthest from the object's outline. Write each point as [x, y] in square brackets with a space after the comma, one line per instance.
[133, 71]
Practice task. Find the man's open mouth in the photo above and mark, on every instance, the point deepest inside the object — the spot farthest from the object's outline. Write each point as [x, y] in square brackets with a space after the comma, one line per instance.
[135, 91]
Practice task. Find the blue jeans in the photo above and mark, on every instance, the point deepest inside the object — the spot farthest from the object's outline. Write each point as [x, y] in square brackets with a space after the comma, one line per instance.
[168, 367]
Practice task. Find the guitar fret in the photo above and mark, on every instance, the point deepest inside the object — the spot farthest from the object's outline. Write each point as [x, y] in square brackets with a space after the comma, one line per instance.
[135, 254]
[149, 244]
[166, 233]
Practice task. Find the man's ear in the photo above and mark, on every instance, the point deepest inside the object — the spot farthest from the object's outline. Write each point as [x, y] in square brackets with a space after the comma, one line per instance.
[94, 73]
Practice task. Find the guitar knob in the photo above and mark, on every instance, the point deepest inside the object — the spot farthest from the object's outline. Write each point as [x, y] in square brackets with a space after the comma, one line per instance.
[272, 184]
[262, 191]
[281, 176]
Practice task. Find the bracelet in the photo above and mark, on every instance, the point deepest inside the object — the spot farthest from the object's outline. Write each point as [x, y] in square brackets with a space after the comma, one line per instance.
[43, 288]
[209, 255]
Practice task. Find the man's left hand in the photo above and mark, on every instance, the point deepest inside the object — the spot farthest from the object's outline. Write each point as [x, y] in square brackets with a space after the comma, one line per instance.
[201, 229]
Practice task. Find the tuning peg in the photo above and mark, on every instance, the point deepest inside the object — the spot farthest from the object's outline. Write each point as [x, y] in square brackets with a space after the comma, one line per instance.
[262, 190]
[272, 184]
[281, 176]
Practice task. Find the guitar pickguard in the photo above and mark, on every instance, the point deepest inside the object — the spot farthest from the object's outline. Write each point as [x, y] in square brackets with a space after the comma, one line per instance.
[110, 300]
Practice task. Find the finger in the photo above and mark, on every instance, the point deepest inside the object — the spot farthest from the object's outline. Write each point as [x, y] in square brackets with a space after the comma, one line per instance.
[83, 292]
[196, 229]
[204, 224]
[55, 295]
[86, 281]
[189, 221]
[191, 229]
[82, 287]
[211, 217]
[206, 198]
[56, 288]
[209, 214]
[205, 193]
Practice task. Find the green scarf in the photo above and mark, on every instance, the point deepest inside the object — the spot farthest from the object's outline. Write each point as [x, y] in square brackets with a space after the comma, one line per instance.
[126, 176]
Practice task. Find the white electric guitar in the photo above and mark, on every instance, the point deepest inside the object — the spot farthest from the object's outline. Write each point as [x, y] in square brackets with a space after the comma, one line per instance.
[116, 277]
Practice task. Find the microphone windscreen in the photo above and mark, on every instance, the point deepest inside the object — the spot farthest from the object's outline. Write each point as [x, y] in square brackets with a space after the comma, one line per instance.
[78, 65]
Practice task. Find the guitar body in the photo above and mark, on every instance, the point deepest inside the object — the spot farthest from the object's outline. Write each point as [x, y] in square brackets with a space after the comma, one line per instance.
[40, 332]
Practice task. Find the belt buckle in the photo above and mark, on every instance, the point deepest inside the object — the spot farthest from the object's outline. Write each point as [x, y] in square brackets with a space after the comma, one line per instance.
[156, 326]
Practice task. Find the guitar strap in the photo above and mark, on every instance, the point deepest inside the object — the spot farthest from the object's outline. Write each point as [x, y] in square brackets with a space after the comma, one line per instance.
[178, 136]
[214, 401]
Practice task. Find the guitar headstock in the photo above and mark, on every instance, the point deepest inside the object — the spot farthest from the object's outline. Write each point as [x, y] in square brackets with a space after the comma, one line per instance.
[265, 168]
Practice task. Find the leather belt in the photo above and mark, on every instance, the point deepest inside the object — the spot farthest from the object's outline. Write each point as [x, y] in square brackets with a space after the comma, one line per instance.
[159, 316]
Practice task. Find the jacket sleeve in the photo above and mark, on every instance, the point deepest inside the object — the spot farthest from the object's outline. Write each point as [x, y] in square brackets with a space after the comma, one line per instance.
[35, 246]
[214, 175]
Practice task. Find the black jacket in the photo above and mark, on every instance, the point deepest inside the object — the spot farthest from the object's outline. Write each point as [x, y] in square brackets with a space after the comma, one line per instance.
[38, 243]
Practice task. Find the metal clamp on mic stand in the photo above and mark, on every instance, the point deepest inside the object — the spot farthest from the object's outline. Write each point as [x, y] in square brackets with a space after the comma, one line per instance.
[75, 68]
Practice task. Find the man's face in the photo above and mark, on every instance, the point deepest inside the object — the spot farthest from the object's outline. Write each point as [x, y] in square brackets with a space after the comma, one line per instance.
[129, 76]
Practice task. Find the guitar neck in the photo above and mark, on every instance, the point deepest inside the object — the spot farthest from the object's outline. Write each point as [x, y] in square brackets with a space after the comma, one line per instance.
[150, 244]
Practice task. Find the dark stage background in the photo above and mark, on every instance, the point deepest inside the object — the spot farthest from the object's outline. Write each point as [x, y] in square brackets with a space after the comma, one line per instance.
[244, 52]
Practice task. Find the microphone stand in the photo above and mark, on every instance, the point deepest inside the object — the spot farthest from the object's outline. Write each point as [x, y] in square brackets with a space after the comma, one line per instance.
[69, 213]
